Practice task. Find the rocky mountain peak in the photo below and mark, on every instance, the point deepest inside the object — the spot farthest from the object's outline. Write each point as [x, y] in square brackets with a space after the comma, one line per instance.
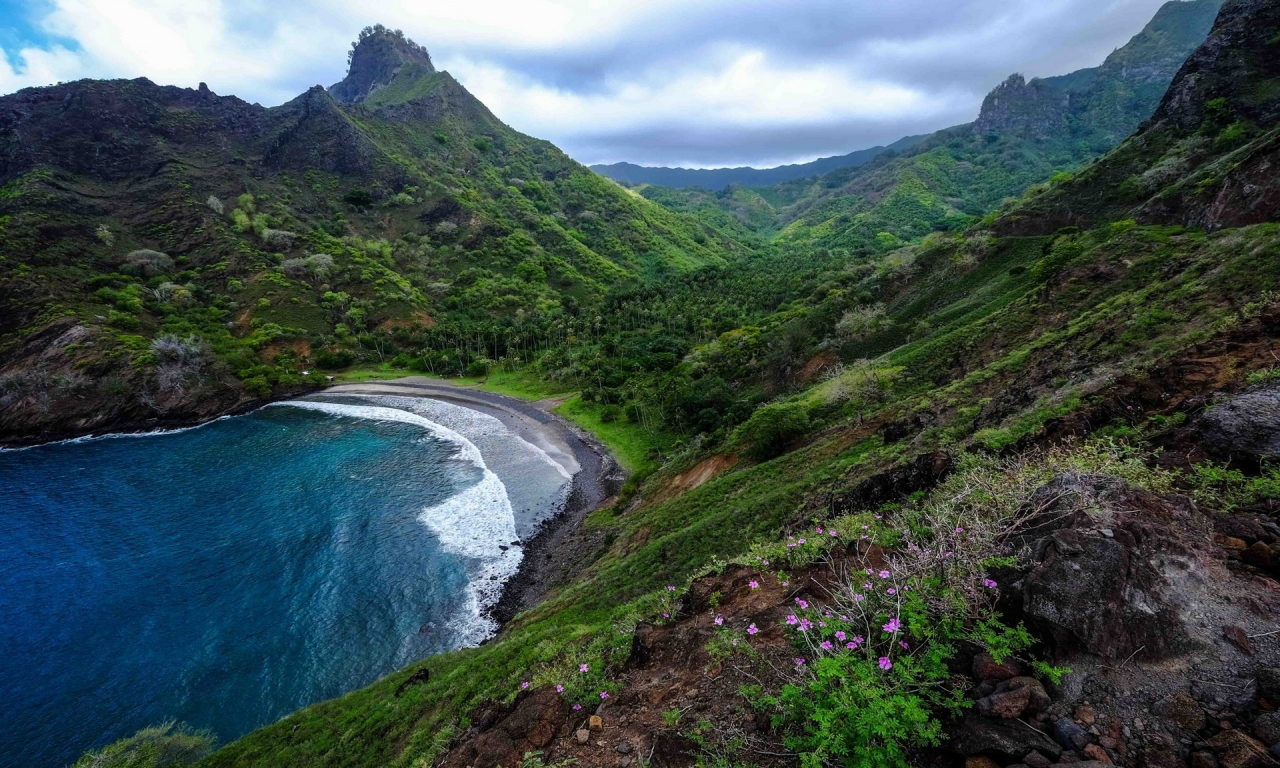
[376, 57]
[1031, 107]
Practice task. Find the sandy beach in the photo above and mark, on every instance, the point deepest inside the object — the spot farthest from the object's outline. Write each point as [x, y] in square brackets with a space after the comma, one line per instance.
[560, 549]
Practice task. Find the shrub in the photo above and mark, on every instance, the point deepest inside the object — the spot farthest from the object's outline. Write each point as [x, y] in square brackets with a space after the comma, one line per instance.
[358, 198]
[278, 238]
[335, 360]
[772, 427]
[169, 745]
[215, 205]
[148, 263]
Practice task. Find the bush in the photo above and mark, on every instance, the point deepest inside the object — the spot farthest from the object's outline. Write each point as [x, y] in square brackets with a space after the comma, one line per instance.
[148, 263]
[358, 198]
[772, 427]
[479, 367]
[169, 745]
[335, 360]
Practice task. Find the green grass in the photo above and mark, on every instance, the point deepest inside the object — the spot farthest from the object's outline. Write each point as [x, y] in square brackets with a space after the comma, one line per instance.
[630, 443]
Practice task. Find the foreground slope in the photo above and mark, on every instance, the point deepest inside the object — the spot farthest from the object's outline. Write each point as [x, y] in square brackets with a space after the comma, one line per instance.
[1014, 444]
[169, 254]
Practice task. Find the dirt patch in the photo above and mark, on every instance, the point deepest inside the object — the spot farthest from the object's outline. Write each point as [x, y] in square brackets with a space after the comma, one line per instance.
[818, 367]
[704, 472]
[421, 319]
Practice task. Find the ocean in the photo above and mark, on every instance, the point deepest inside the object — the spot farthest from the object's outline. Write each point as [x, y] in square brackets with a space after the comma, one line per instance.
[226, 575]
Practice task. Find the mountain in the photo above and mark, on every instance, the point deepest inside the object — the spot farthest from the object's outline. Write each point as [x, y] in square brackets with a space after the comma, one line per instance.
[719, 178]
[392, 209]
[1207, 156]
[1027, 131]
[1016, 471]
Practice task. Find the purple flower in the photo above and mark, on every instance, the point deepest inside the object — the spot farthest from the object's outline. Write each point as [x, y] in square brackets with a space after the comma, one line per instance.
[879, 517]
[989, 584]
[577, 707]
[801, 603]
[817, 530]
[893, 626]
[801, 541]
[604, 694]
[751, 630]
[869, 571]
[891, 591]
[904, 645]
[885, 664]
[805, 624]
[666, 615]
[884, 574]
[841, 636]
[826, 645]
[799, 662]
[858, 598]
[851, 646]
[583, 668]
[858, 639]
[866, 527]
[833, 534]
[559, 689]
[766, 562]
[719, 621]
[959, 529]
[671, 588]
[753, 584]
[868, 585]
[524, 685]
[786, 583]
[791, 619]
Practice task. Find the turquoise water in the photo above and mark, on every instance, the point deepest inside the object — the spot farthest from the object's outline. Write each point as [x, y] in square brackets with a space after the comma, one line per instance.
[227, 575]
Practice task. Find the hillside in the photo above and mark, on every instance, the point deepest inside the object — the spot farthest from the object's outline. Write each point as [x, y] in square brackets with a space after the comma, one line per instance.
[1027, 132]
[1005, 497]
[169, 254]
[718, 178]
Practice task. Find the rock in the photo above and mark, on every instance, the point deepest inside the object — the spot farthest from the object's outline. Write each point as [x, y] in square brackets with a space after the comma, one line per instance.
[1070, 735]
[1237, 750]
[595, 722]
[1267, 728]
[1231, 542]
[980, 762]
[1257, 555]
[1007, 704]
[530, 724]
[1246, 427]
[1238, 637]
[1038, 700]
[1161, 756]
[1203, 760]
[623, 748]
[1095, 752]
[1182, 712]
[1034, 759]
[582, 735]
[986, 668]
[1269, 684]
[1006, 741]
[1085, 715]
[1111, 596]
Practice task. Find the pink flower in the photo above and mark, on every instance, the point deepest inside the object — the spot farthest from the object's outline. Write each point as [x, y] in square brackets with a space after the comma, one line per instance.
[893, 626]
[904, 645]
[851, 646]
[959, 529]
[524, 685]
[766, 562]
[801, 603]
[885, 664]
[817, 530]
[559, 689]
[786, 583]
[801, 541]
[879, 517]
[833, 534]
[858, 639]
[753, 584]
[884, 574]
[577, 707]
[866, 527]
[791, 619]
[799, 662]
[583, 668]
[805, 624]
[751, 630]
[891, 591]
[826, 645]
[868, 585]
[671, 588]
[869, 571]
[841, 636]
[858, 598]
[989, 584]
[604, 694]
[719, 621]
[666, 615]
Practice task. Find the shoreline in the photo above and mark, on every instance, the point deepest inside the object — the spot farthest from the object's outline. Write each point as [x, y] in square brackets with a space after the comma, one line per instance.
[557, 551]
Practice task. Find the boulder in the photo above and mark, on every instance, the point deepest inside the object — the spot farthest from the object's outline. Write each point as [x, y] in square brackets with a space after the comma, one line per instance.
[980, 762]
[1070, 735]
[1036, 760]
[1181, 713]
[985, 668]
[1245, 427]
[1258, 555]
[1266, 727]
[1014, 697]
[529, 725]
[1237, 750]
[1103, 578]
[1269, 684]
[1203, 760]
[1006, 741]
[1097, 753]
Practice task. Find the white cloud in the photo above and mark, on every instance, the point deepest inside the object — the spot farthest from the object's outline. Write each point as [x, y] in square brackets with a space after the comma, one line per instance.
[723, 74]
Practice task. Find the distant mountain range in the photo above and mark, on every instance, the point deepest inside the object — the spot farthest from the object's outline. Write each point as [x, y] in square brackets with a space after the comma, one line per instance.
[719, 178]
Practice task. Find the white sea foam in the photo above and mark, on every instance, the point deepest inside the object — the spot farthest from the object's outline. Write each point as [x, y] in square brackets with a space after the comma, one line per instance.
[477, 524]
[119, 435]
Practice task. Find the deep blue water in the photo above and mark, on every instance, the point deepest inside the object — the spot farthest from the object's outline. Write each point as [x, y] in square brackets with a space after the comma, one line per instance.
[222, 576]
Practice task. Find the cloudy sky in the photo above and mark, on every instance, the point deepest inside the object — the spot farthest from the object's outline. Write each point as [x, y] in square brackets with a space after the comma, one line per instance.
[699, 83]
